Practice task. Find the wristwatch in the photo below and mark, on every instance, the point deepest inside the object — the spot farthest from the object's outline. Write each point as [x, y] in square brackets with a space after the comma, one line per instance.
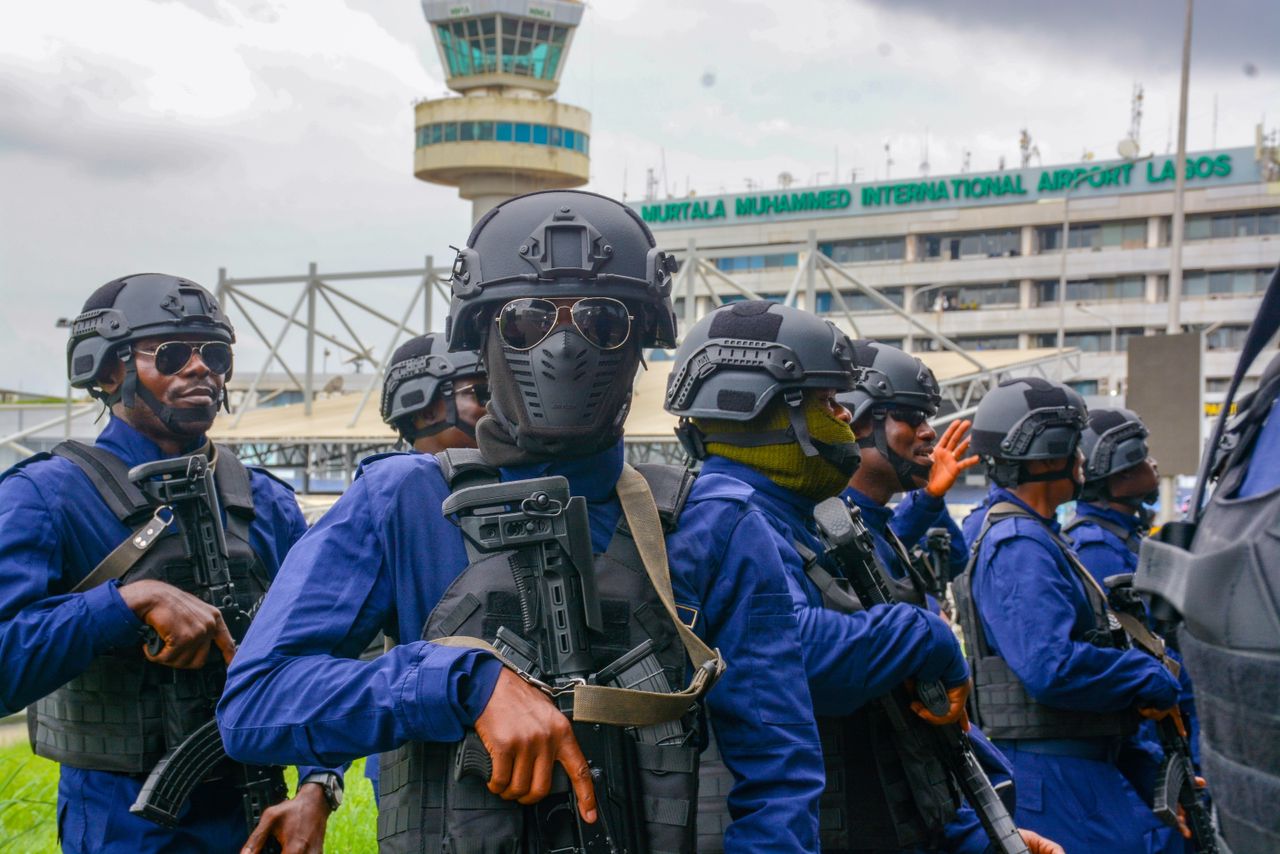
[330, 783]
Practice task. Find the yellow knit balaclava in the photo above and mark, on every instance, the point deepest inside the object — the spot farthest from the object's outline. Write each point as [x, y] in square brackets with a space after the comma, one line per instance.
[785, 463]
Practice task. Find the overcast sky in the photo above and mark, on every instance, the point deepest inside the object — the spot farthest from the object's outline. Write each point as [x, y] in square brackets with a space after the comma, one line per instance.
[258, 135]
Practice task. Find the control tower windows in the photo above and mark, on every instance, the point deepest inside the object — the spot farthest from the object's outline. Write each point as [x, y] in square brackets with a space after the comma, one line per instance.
[523, 132]
[524, 48]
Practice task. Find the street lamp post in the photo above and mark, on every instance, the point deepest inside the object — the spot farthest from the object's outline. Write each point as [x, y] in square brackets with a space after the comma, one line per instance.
[1062, 273]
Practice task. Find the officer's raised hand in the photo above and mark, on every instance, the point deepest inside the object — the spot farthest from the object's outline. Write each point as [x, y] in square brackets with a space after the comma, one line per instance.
[525, 736]
[188, 626]
[298, 824]
[949, 459]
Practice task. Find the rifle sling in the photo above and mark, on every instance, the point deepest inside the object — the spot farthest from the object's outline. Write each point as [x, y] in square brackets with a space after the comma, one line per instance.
[626, 707]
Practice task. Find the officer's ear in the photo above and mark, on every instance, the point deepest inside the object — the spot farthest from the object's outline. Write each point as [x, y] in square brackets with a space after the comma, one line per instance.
[863, 427]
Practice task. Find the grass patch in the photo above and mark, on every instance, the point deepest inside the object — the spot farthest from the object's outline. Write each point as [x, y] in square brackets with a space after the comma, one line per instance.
[29, 792]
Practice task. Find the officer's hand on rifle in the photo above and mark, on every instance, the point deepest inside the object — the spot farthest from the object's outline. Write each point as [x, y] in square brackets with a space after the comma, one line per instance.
[525, 736]
[298, 824]
[1037, 844]
[949, 459]
[187, 625]
[956, 698]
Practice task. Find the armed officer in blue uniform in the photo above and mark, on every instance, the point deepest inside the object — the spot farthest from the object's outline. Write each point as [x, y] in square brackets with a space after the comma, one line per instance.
[559, 291]
[1055, 691]
[754, 385]
[79, 585]
[1110, 522]
[891, 405]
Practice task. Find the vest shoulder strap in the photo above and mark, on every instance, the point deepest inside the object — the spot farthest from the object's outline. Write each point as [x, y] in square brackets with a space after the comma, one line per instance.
[1131, 539]
[109, 476]
[836, 595]
[670, 486]
[235, 491]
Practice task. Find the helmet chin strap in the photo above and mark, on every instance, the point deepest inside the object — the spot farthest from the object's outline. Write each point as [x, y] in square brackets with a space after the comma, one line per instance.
[844, 456]
[175, 418]
[906, 470]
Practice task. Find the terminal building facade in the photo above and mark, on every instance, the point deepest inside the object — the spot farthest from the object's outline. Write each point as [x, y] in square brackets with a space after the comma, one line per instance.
[978, 257]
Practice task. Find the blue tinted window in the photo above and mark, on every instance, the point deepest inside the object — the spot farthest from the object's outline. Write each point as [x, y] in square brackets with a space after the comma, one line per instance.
[467, 131]
[524, 133]
[437, 133]
[540, 134]
[451, 132]
[568, 138]
[484, 130]
[504, 131]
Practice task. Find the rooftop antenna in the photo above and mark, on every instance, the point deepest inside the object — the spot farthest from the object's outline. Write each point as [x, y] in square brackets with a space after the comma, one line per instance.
[1027, 149]
[965, 163]
[785, 180]
[1214, 144]
[888, 161]
[1135, 116]
[650, 185]
[924, 164]
[666, 188]
[1000, 164]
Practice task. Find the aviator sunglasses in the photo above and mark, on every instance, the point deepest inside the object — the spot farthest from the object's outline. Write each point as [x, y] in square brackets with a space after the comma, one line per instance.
[173, 356]
[910, 417]
[603, 321]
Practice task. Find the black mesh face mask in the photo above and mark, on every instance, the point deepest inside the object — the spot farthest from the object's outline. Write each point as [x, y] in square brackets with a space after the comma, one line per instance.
[563, 396]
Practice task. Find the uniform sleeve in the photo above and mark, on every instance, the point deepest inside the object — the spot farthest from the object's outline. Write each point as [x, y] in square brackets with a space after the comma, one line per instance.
[760, 710]
[296, 694]
[852, 659]
[916, 513]
[1029, 609]
[959, 558]
[46, 640]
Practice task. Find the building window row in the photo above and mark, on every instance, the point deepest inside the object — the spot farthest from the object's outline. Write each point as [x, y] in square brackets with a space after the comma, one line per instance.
[551, 135]
[494, 43]
[857, 301]
[750, 263]
[1240, 224]
[1095, 341]
[1119, 289]
[968, 297]
[1216, 284]
[865, 250]
[972, 244]
[1094, 235]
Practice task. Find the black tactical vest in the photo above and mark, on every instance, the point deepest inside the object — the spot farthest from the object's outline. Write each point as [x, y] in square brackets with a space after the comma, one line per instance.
[876, 798]
[124, 712]
[1228, 592]
[999, 702]
[422, 808]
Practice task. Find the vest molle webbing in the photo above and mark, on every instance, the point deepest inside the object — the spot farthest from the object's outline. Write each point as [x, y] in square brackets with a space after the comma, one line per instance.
[1000, 703]
[123, 712]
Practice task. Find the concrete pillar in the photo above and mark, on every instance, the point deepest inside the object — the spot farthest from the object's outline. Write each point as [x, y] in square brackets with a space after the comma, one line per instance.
[911, 251]
[1026, 293]
[1028, 240]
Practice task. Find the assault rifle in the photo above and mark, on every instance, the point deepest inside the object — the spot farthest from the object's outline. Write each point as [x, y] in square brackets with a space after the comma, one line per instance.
[849, 544]
[185, 485]
[549, 536]
[1175, 788]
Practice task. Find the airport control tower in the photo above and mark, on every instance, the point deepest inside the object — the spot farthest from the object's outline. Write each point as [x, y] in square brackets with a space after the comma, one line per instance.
[506, 135]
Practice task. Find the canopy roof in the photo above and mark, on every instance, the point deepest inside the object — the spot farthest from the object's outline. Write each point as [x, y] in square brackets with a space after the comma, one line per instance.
[330, 419]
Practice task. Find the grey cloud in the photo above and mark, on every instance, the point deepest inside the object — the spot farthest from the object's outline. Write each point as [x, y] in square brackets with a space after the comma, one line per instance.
[72, 124]
[1133, 33]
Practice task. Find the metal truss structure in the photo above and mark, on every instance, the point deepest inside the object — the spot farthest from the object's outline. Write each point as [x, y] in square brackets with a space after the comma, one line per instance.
[365, 315]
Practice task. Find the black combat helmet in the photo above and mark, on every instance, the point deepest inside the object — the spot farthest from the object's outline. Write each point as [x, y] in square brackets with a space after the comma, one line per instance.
[1024, 419]
[890, 378]
[129, 309]
[559, 388]
[740, 357]
[421, 371]
[1113, 440]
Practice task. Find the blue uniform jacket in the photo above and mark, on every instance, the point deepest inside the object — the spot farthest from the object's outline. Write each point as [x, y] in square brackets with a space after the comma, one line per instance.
[729, 581]
[850, 659]
[971, 526]
[54, 529]
[382, 557]
[1034, 613]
